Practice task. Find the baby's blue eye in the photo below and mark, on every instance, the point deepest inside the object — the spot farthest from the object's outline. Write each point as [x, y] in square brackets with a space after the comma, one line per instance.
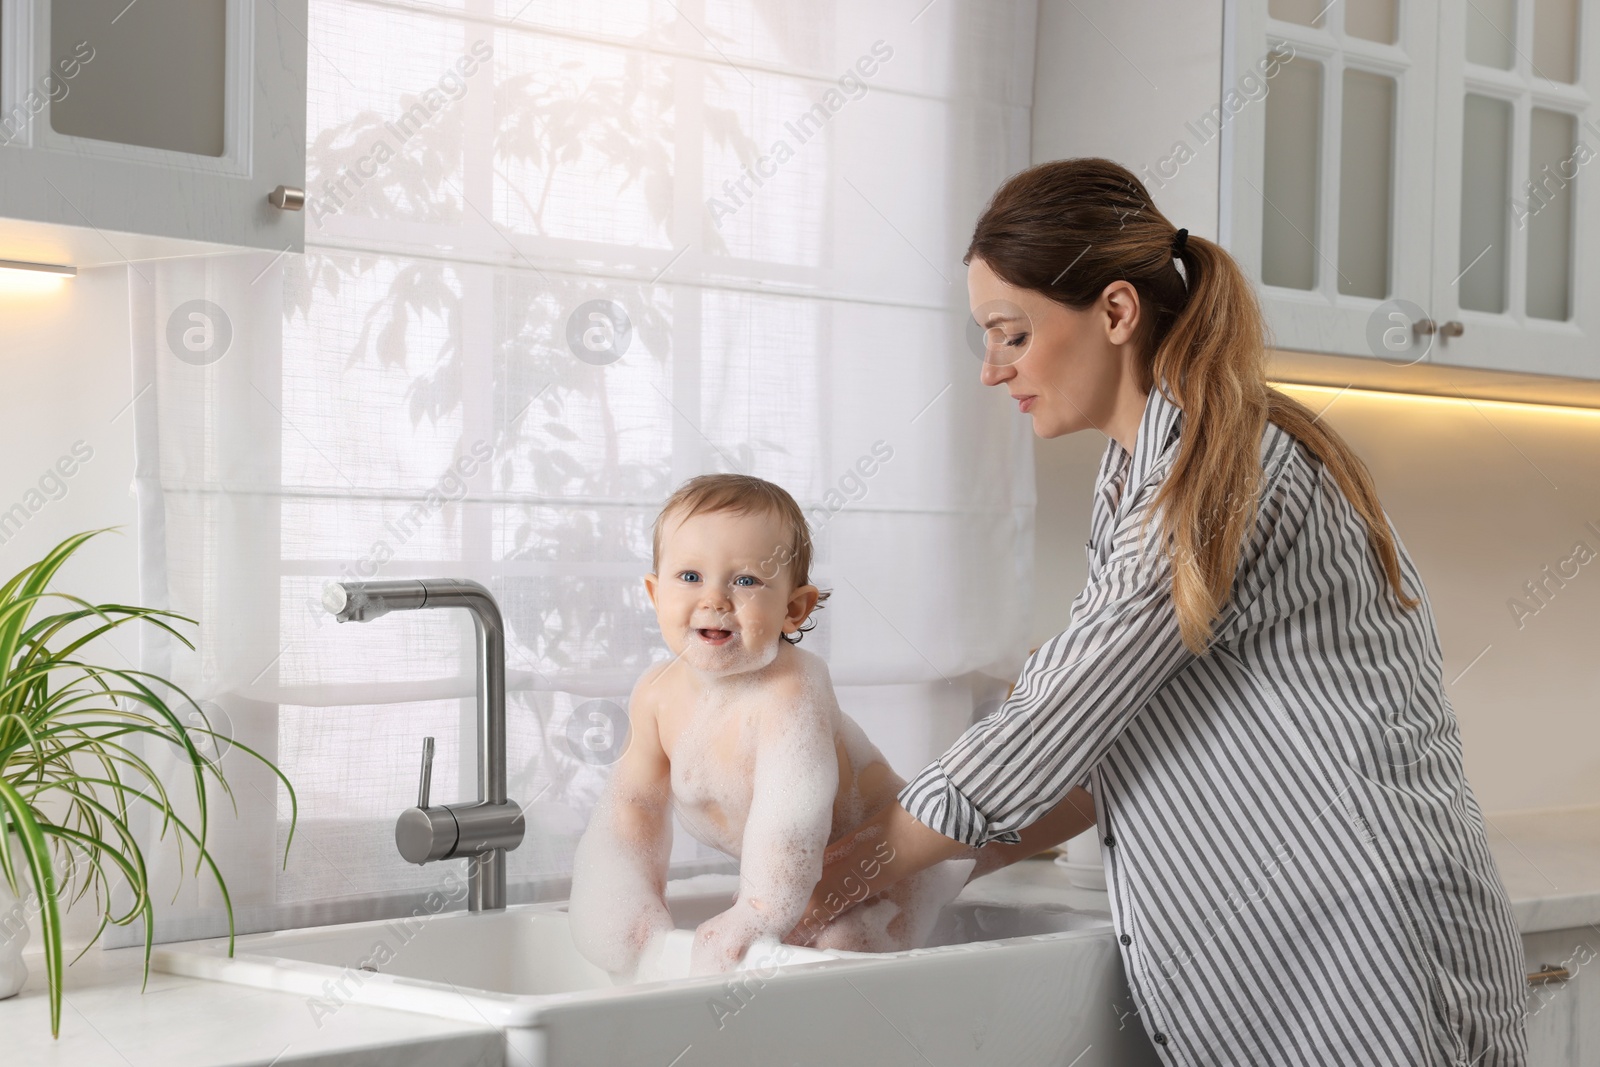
[689, 576]
[745, 580]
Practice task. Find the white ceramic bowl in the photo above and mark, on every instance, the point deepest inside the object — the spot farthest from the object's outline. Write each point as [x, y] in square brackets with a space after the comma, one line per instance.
[1083, 875]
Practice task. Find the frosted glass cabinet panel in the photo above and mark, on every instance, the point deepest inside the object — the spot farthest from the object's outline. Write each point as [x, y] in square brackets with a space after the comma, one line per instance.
[1551, 137]
[1372, 20]
[1366, 180]
[160, 75]
[165, 124]
[1515, 222]
[1290, 184]
[1426, 159]
[1328, 202]
[1491, 33]
[1485, 193]
[1555, 40]
[1304, 12]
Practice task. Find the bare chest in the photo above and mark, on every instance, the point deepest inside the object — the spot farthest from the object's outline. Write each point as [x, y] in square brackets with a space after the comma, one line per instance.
[712, 751]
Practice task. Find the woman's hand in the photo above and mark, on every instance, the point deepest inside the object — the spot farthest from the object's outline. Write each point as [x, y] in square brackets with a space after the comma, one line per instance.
[867, 860]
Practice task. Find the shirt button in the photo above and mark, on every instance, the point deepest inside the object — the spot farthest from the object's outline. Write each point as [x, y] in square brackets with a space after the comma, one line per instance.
[1110, 840]
[1159, 1038]
[1126, 940]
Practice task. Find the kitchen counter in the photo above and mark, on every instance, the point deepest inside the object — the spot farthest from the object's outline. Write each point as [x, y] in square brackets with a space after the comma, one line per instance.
[1550, 864]
[1549, 861]
[189, 1022]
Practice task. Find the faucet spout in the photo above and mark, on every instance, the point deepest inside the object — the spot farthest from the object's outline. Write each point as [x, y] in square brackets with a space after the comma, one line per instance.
[483, 831]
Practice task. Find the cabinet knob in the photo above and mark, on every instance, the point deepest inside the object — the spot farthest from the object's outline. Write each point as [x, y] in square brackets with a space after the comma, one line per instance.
[1424, 327]
[287, 198]
[1452, 329]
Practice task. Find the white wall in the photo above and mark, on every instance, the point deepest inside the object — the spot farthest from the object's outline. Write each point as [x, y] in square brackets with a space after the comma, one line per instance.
[1075, 113]
[1483, 498]
[66, 367]
[65, 359]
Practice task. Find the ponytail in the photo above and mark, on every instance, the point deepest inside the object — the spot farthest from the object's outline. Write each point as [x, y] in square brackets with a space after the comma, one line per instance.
[1206, 337]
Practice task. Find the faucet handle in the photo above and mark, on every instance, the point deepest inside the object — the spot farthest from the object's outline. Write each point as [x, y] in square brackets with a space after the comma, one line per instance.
[425, 834]
[426, 785]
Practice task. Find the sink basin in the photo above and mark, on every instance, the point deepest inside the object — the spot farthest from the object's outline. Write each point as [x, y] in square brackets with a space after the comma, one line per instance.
[1000, 983]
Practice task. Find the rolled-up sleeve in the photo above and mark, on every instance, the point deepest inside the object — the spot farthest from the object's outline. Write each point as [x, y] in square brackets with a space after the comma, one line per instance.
[1075, 696]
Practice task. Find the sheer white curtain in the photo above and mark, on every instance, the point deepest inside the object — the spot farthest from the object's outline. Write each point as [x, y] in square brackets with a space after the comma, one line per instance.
[559, 258]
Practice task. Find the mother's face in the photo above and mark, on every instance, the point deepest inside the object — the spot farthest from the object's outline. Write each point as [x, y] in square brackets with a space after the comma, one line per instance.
[1063, 367]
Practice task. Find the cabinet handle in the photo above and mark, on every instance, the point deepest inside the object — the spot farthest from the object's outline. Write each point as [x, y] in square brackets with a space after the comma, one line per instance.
[287, 197]
[1548, 972]
[1452, 329]
[1423, 327]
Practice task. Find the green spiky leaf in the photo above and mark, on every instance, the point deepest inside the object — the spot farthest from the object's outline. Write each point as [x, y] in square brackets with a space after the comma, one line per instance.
[65, 724]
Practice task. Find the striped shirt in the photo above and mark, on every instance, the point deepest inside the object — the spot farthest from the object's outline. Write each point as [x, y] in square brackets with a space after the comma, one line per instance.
[1298, 870]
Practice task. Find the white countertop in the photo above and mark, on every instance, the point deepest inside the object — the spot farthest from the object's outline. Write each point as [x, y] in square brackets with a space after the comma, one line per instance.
[188, 1022]
[1549, 862]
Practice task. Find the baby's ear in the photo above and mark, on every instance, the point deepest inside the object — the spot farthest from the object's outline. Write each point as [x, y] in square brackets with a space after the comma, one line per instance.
[650, 588]
[802, 602]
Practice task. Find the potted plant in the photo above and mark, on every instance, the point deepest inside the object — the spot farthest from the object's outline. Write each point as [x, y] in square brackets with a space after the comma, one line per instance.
[70, 781]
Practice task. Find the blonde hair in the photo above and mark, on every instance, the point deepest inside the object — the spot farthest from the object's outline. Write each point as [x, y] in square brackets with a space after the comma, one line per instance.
[1205, 336]
[742, 494]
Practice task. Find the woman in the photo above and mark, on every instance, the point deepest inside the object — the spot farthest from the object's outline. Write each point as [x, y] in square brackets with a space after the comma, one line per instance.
[1247, 703]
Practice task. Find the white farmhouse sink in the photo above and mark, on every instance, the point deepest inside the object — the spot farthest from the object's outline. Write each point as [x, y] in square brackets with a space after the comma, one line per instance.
[1013, 984]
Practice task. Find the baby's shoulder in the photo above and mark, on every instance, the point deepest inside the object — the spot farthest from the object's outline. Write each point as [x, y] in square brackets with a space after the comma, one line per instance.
[803, 675]
[799, 690]
[656, 690]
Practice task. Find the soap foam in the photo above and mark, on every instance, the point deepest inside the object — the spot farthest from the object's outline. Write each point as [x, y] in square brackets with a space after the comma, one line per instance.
[774, 807]
[616, 904]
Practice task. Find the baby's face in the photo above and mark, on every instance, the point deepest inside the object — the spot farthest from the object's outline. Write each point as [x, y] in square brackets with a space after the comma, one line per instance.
[723, 594]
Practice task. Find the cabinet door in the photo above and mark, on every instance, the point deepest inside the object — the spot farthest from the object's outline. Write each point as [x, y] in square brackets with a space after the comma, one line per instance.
[1563, 1016]
[1327, 173]
[1515, 237]
[170, 119]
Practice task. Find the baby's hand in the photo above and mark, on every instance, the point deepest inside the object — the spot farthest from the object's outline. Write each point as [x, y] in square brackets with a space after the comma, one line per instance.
[721, 941]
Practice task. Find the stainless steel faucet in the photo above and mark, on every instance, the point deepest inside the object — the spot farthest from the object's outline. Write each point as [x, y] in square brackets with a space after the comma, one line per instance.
[483, 831]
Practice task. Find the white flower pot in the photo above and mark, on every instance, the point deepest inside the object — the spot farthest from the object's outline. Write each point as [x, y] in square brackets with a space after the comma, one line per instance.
[13, 939]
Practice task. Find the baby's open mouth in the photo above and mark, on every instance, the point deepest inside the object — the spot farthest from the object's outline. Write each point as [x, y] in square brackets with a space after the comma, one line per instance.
[715, 637]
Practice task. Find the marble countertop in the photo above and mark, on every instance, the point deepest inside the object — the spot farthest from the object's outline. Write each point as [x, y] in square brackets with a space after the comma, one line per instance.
[189, 1022]
[1549, 862]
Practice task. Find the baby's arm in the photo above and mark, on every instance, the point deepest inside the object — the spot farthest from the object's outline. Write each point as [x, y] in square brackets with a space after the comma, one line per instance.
[619, 871]
[791, 815]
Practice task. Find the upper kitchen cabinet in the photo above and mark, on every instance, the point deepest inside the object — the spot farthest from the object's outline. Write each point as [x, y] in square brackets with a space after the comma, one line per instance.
[1405, 189]
[1519, 253]
[135, 130]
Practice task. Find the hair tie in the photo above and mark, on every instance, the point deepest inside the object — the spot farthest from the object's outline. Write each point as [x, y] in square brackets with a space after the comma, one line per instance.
[1180, 240]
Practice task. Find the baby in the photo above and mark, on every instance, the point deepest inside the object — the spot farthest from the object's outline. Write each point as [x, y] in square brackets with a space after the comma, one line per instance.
[739, 733]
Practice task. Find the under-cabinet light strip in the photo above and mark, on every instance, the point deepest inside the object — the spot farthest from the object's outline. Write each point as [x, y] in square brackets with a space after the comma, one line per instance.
[1522, 405]
[39, 268]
